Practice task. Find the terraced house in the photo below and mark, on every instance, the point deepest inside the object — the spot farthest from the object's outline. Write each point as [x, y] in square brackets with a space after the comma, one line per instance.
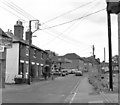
[18, 56]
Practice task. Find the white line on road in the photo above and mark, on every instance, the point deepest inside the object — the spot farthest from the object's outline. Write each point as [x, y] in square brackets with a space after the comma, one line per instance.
[77, 86]
[73, 98]
[72, 92]
[96, 101]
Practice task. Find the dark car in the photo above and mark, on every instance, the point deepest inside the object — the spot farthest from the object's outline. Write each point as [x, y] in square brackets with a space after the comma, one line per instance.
[63, 73]
[78, 73]
[57, 73]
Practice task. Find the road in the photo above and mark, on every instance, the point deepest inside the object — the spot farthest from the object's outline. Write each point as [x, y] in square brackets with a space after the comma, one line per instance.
[68, 89]
[52, 91]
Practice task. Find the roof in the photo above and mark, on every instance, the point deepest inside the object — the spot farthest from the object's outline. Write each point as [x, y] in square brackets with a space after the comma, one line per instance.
[61, 59]
[3, 34]
[72, 56]
[5, 40]
[93, 60]
[17, 40]
[86, 60]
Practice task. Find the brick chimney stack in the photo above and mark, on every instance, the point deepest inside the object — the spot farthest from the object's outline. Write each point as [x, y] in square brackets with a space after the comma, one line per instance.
[18, 30]
[27, 35]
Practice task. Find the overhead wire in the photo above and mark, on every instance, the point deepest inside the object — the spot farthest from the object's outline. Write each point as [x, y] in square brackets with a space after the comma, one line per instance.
[15, 9]
[13, 13]
[21, 14]
[73, 19]
[68, 12]
[20, 9]
[59, 35]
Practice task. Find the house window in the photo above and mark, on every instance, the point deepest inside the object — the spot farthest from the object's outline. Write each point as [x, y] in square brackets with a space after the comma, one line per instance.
[35, 53]
[27, 50]
[42, 55]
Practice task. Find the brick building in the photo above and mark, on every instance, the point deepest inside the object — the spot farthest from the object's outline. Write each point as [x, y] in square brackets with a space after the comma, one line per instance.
[77, 61]
[18, 56]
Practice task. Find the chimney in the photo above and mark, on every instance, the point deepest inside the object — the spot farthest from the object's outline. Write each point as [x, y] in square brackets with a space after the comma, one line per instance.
[18, 30]
[27, 35]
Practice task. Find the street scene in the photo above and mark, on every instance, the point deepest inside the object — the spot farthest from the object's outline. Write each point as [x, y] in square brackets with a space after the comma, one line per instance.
[69, 54]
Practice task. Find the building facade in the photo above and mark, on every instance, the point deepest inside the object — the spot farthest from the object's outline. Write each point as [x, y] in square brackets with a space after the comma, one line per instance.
[17, 59]
[77, 62]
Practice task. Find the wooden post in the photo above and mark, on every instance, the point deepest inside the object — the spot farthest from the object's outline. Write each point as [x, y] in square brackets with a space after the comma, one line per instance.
[119, 53]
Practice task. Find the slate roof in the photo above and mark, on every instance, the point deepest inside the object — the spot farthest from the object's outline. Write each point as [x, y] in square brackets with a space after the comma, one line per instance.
[72, 56]
[17, 40]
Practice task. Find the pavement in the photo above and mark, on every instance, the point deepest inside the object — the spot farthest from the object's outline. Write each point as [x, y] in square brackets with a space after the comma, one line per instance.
[83, 92]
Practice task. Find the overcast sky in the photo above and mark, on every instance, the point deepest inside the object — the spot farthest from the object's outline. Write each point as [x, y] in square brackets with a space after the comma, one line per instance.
[74, 37]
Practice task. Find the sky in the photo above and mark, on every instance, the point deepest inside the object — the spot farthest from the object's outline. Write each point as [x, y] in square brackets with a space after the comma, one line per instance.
[78, 35]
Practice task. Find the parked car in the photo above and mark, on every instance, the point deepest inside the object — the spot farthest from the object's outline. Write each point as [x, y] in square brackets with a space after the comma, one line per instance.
[57, 73]
[73, 71]
[64, 73]
[78, 73]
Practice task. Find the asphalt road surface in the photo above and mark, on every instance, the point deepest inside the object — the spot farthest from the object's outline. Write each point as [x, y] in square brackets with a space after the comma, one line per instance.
[51, 91]
[68, 89]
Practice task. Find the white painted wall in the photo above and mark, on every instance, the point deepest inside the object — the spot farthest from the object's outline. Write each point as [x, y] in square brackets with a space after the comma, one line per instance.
[12, 61]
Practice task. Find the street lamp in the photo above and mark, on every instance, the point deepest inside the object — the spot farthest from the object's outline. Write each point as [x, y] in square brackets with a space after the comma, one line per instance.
[30, 42]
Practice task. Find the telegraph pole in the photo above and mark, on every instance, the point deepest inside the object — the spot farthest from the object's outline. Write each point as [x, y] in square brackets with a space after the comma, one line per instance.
[119, 54]
[113, 7]
[30, 42]
[93, 48]
[104, 55]
[110, 51]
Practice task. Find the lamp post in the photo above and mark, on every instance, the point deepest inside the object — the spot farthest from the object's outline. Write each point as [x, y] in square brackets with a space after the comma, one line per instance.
[30, 42]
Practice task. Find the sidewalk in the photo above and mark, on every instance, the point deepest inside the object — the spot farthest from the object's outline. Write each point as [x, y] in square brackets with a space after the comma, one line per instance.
[85, 93]
[13, 87]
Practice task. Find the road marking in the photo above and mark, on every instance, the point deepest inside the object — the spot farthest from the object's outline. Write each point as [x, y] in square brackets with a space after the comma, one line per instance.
[75, 93]
[71, 96]
[96, 101]
[106, 98]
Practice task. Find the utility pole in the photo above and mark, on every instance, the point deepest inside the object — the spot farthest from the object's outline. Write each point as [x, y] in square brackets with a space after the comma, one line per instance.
[93, 48]
[113, 7]
[119, 53]
[104, 55]
[110, 51]
[30, 42]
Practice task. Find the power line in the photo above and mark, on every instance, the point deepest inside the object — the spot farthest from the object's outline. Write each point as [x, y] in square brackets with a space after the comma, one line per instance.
[19, 8]
[67, 12]
[65, 30]
[12, 13]
[13, 8]
[73, 20]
